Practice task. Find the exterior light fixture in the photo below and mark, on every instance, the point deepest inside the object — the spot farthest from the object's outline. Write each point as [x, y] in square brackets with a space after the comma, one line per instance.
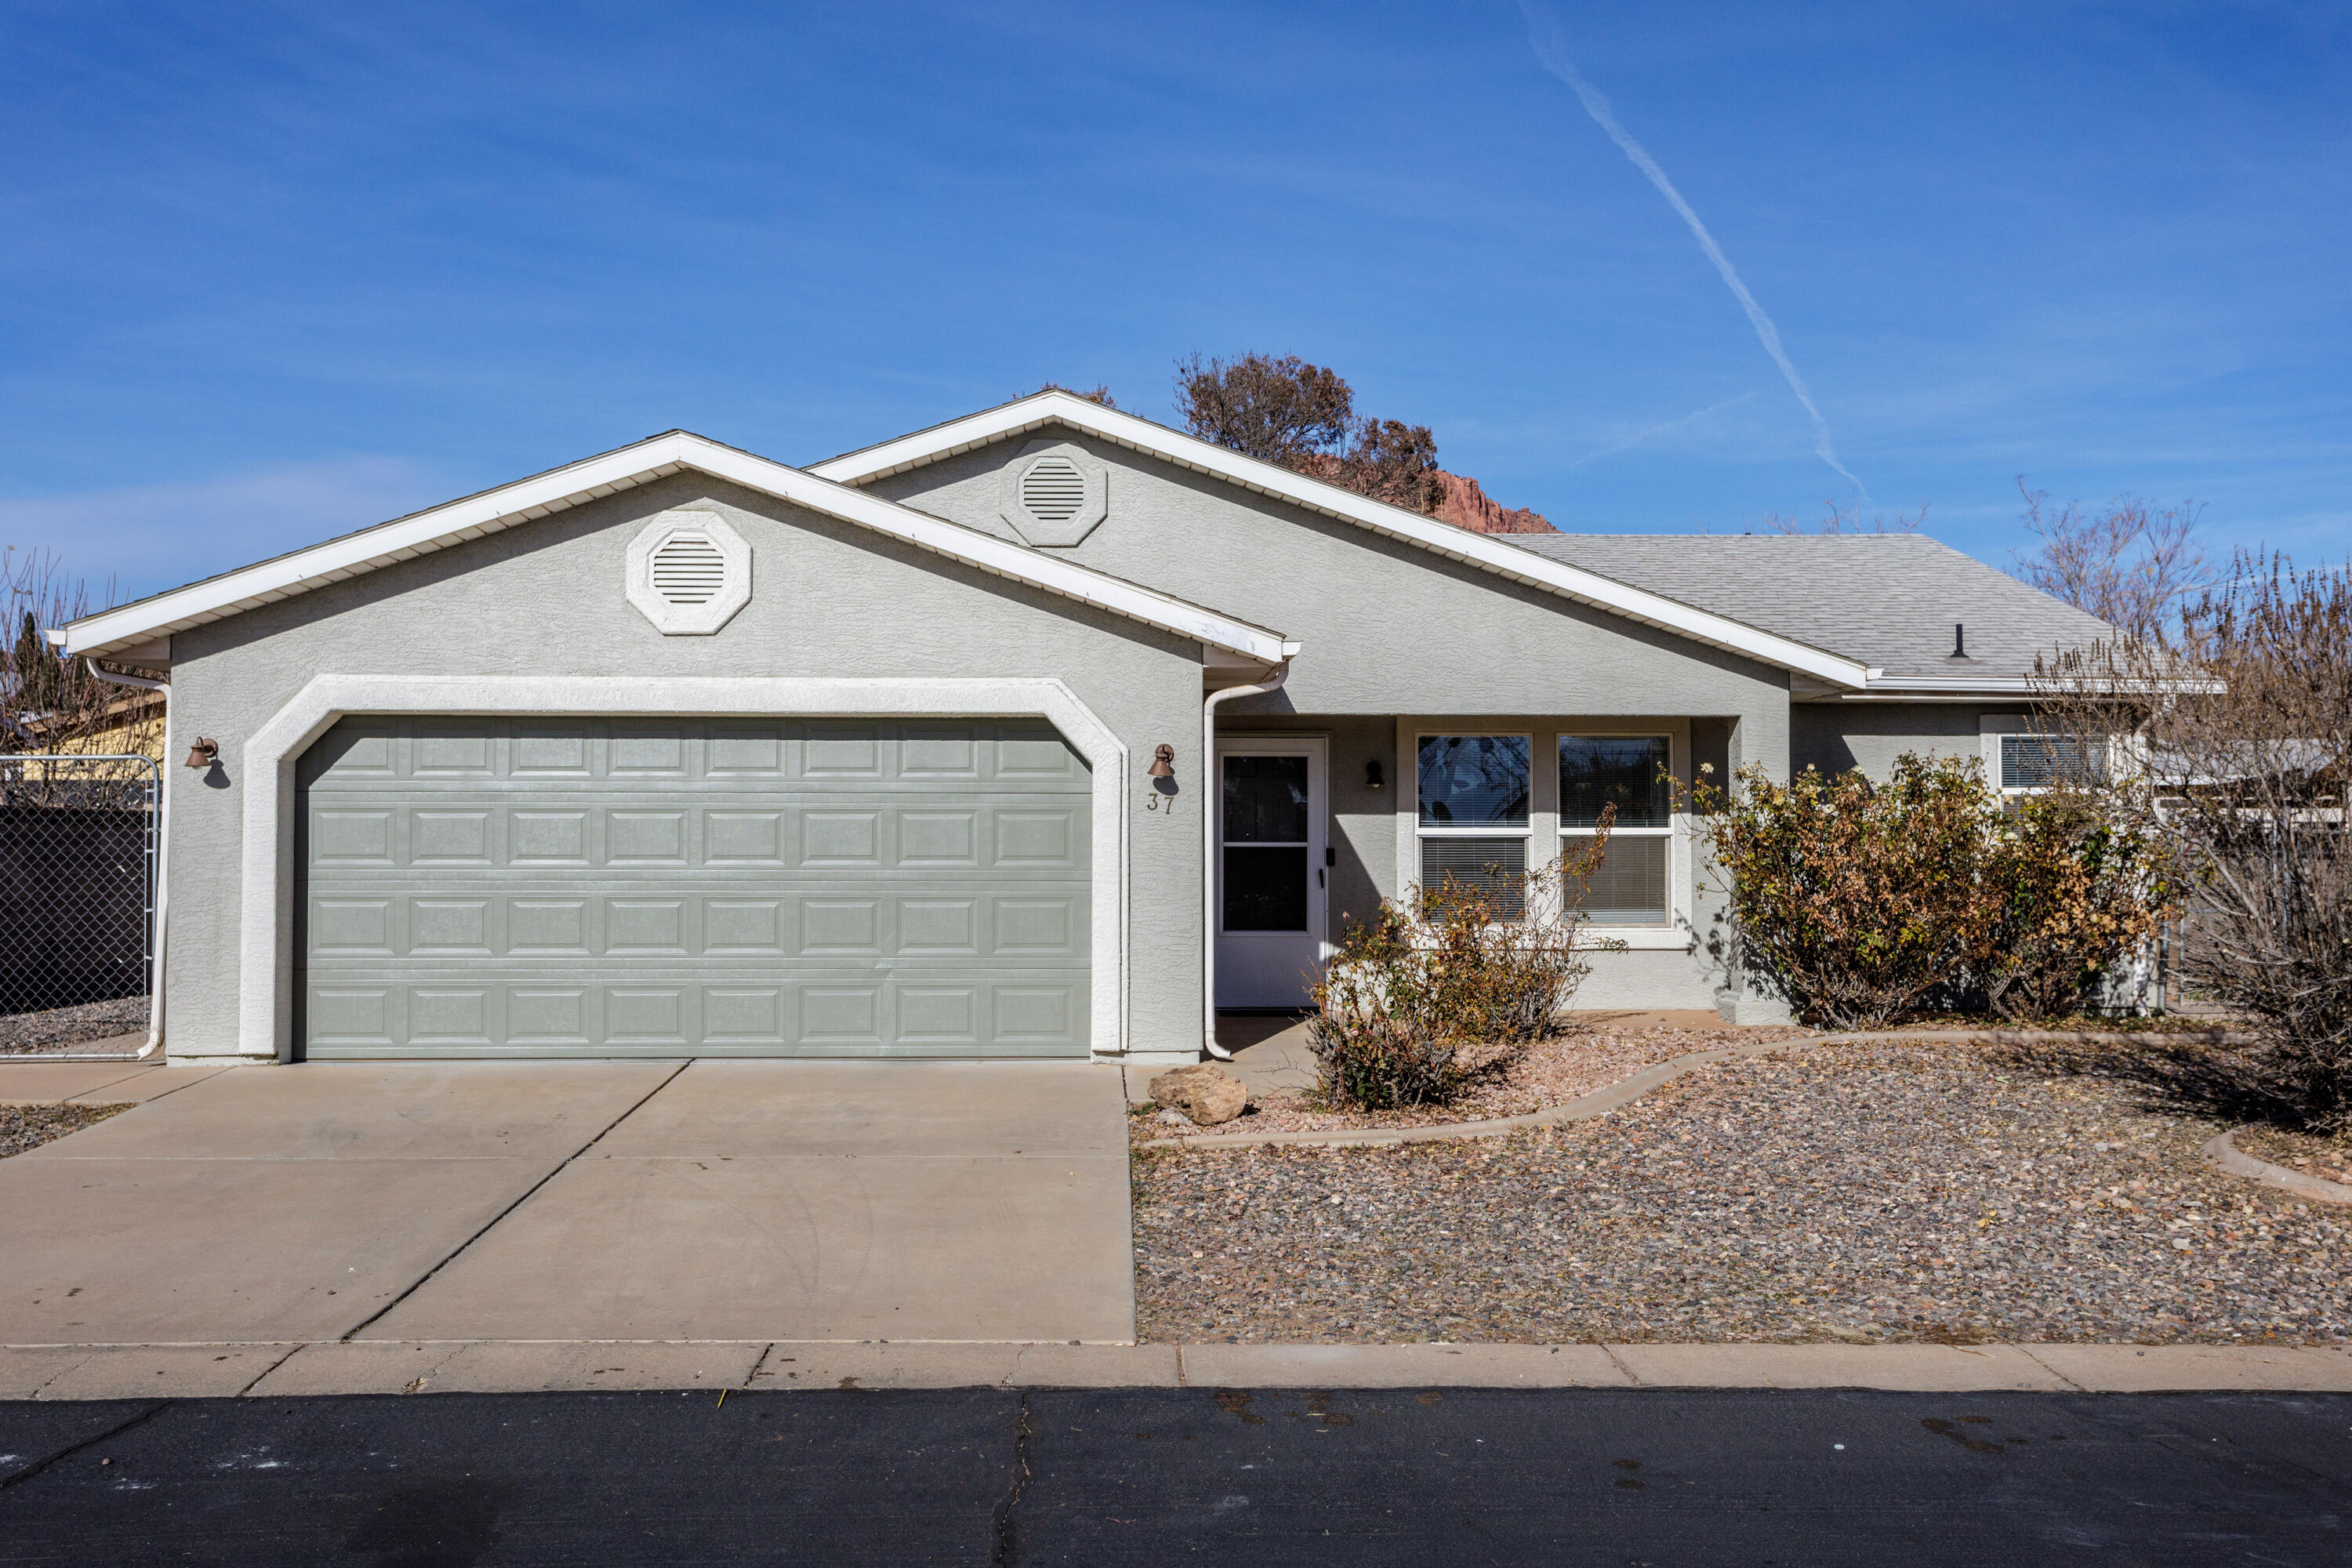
[1372, 774]
[1163, 762]
[204, 753]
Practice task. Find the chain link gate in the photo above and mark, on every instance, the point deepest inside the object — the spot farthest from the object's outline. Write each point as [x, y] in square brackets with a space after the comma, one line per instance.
[80, 837]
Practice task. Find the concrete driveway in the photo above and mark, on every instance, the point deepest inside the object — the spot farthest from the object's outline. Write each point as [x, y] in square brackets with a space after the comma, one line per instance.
[715, 1200]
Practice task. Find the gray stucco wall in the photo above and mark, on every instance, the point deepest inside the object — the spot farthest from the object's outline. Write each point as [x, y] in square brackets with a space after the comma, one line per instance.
[1389, 629]
[1837, 736]
[546, 598]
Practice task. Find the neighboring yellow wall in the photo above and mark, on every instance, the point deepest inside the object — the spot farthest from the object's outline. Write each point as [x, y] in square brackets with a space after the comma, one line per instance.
[138, 738]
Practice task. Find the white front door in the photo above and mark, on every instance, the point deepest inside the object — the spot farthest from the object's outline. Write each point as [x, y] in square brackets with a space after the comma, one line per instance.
[1272, 871]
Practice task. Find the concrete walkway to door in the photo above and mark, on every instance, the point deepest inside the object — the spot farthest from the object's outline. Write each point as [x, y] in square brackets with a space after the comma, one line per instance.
[713, 1200]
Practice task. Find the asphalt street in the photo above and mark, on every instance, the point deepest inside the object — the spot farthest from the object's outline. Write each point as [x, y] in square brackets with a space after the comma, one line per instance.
[1115, 1477]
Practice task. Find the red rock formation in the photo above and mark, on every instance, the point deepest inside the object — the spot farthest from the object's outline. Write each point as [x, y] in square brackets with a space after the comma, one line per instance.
[1468, 505]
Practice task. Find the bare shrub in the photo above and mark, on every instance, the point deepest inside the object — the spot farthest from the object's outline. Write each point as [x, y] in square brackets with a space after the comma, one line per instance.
[2237, 750]
[1443, 986]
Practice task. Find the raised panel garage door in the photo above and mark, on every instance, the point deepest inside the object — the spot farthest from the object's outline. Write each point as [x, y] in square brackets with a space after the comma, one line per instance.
[574, 887]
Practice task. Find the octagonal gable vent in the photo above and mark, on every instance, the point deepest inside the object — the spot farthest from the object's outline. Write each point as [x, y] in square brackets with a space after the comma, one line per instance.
[1054, 489]
[690, 569]
[1054, 493]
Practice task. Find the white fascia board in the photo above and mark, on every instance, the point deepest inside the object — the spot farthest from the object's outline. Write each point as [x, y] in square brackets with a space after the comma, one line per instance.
[630, 466]
[959, 436]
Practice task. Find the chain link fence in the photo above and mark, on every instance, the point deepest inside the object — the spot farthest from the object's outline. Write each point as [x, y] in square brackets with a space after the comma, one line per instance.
[79, 843]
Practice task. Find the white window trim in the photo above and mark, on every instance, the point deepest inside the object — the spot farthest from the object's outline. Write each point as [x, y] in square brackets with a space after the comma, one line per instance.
[1409, 797]
[266, 957]
[1994, 728]
[1676, 832]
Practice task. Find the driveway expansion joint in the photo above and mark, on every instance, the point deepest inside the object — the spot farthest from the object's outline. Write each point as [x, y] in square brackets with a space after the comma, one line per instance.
[419, 1282]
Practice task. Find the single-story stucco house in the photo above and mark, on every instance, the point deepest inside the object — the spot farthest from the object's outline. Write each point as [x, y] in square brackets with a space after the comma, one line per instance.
[679, 751]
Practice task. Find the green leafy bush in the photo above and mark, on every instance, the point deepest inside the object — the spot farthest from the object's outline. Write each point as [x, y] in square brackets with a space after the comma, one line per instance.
[1440, 986]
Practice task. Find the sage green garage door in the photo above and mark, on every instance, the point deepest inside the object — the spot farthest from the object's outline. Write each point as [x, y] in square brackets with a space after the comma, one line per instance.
[634, 888]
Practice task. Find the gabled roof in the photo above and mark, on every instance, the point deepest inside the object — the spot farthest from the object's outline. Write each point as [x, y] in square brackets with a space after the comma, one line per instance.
[1488, 553]
[1889, 600]
[457, 522]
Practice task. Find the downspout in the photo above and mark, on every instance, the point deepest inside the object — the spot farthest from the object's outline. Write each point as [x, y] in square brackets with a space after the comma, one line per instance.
[162, 851]
[1209, 806]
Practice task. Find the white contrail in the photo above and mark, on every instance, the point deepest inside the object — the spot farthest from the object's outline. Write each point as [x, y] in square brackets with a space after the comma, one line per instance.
[1551, 47]
[1639, 437]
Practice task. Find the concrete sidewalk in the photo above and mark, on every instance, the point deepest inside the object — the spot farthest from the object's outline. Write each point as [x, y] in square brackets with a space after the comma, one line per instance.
[386, 1366]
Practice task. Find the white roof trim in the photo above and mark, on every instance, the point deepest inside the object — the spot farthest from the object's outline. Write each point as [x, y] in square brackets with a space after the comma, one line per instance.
[508, 505]
[1017, 418]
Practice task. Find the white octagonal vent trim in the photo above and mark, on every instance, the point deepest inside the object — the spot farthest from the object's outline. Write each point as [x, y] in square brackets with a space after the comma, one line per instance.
[1055, 493]
[689, 571]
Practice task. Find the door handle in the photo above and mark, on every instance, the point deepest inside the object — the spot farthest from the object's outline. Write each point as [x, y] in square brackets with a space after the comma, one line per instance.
[1318, 876]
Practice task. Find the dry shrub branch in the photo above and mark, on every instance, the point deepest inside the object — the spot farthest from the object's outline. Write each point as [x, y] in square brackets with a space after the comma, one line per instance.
[1453, 982]
[2238, 744]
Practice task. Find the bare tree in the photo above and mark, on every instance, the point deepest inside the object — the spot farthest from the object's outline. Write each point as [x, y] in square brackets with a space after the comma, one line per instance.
[1836, 518]
[1394, 462]
[2131, 564]
[1098, 393]
[2235, 756]
[1281, 411]
[1303, 416]
[47, 702]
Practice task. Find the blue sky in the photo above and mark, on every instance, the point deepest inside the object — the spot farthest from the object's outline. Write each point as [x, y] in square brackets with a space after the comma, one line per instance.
[271, 273]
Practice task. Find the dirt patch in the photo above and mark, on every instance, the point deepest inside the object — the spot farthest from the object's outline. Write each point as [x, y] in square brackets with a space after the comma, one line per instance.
[1861, 1192]
[58, 1027]
[1550, 1073]
[24, 1127]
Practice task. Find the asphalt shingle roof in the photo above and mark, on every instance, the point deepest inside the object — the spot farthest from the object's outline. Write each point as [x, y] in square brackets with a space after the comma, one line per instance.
[1887, 599]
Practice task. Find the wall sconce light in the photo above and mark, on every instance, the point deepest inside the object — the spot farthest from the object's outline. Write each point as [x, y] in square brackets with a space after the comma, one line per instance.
[1163, 763]
[204, 753]
[1372, 774]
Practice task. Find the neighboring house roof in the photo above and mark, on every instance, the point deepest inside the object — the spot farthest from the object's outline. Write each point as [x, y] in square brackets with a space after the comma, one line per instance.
[420, 533]
[1488, 553]
[1887, 599]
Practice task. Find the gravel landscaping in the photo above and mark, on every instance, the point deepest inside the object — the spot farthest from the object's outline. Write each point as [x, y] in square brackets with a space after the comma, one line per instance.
[1883, 1192]
[57, 1027]
[2325, 1158]
[1551, 1072]
[24, 1127]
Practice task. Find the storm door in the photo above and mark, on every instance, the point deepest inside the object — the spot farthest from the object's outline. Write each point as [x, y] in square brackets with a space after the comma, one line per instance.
[1272, 871]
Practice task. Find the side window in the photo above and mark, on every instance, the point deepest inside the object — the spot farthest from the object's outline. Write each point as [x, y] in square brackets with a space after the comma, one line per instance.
[2031, 764]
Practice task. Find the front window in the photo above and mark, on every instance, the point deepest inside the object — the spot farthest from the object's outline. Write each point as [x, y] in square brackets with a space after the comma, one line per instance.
[1472, 822]
[1631, 885]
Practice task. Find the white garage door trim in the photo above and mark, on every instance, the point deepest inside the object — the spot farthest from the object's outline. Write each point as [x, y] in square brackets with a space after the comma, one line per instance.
[266, 968]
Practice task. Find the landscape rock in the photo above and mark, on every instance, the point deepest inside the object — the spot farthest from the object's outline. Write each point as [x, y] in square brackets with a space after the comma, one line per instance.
[1207, 1093]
